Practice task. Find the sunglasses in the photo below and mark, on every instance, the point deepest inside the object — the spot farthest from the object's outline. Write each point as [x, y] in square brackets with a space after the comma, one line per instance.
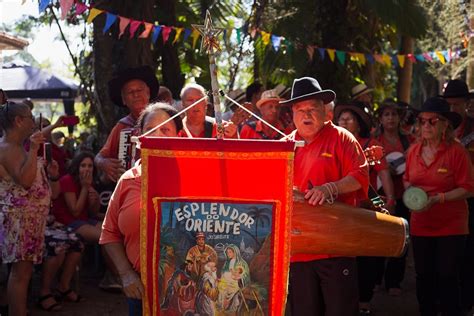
[431, 121]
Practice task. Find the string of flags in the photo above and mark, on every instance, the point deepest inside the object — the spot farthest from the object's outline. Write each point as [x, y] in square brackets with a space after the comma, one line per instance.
[277, 42]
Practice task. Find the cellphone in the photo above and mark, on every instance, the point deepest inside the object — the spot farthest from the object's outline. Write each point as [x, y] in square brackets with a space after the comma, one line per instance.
[71, 120]
[47, 152]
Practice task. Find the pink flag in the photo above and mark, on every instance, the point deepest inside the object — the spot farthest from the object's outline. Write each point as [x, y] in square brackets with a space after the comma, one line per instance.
[146, 32]
[80, 8]
[166, 30]
[123, 24]
[66, 6]
[134, 27]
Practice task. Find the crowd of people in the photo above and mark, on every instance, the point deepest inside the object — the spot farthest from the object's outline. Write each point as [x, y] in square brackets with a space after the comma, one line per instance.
[51, 206]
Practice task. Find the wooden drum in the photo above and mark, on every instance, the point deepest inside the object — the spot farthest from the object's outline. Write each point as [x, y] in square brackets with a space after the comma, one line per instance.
[340, 229]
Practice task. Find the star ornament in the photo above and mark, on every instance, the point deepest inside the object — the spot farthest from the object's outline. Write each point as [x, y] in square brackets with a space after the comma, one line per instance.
[209, 34]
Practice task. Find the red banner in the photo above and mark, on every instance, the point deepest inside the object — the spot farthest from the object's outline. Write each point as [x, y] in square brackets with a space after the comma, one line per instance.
[215, 225]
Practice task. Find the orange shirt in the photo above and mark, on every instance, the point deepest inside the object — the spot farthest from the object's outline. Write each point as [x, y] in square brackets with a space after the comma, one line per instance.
[331, 156]
[122, 220]
[450, 169]
[376, 168]
[254, 130]
[110, 148]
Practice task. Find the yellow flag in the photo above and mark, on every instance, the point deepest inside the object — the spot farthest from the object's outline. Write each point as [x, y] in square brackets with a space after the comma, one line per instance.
[441, 57]
[401, 60]
[178, 30]
[361, 58]
[195, 35]
[265, 38]
[387, 59]
[331, 53]
[93, 14]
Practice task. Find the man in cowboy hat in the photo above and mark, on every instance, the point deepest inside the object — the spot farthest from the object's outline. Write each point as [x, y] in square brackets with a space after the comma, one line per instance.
[132, 88]
[269, 108]
[458, 96]
[200, 255]
[330, 167]
[361, 93]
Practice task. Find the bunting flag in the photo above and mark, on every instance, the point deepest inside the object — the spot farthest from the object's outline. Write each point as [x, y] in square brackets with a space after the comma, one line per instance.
[331, 53]
[123, 25]
[341, 57]
[66, 6]
[179, 30]
[443, 56]
[156, 32]
[166, 31]
[109, 21]
[146, 32]
[93, 13]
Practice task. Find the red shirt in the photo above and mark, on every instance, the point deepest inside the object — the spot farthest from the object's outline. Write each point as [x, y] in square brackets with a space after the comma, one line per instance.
[122, 220]
[377, 167]
[111, 146]
[450, 169]
[256, 131]
[331, 156]
[60, 209]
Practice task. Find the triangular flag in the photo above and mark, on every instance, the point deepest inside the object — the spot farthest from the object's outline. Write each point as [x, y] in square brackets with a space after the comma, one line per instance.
[331, 53]
[447, 55]
[147, 30]
[276, 41]
[109, 21]
[239, 33]
[440, 57]
[370, 58]
[43, 4]
[134, 25]
[310, 51]
[412, 58]
[420, 57]
[93, 13]
[66, 6]
[386, 58]
[253, 33]
[166, 30]
[195, 35]
[123, 24]
[187, 32]
[394, 60]
[179, 30]
[427, 57]
[265, 38]
[156, 32]
[379, 58]
[322, 52]
[289, 46]
[401, 60]
[341, 56]
[361, 58]
[80, 8]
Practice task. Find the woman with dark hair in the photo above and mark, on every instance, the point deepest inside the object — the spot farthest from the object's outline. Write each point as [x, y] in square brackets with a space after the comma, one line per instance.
[356, 119]
[441, 167]
[25, 198]
[78, 202]
[121, 230]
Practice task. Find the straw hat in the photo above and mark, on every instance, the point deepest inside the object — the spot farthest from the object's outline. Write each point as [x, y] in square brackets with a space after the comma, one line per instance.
[359, 90]
[267, 96]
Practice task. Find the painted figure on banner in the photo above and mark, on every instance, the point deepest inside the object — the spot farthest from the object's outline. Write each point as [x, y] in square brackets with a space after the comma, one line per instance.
[223, 264]
[200, 255]
[235, 276]
[207, 291]
[181, 292]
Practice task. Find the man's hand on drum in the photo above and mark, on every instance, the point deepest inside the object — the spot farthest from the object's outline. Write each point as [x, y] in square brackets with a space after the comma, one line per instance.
[317, 195]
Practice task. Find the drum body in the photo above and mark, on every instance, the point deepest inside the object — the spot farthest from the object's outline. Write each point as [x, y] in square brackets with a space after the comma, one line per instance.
[340, 229]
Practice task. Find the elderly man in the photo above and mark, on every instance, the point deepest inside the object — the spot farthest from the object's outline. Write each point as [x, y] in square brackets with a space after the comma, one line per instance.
[196, 123]
[331, 166]
[270, 112]
[132, 88]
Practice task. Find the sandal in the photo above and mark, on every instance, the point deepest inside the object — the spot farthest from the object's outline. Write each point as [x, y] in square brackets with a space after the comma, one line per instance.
[54, 307]
[65, 296]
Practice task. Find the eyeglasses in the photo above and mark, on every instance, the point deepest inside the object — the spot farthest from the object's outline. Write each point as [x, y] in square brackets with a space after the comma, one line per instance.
[431, 121]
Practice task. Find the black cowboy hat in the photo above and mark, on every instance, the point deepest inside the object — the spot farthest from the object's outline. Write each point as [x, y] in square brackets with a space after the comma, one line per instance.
[143, 73]
[456, 89]
[440, 106]
[361, 111]
[308, 88]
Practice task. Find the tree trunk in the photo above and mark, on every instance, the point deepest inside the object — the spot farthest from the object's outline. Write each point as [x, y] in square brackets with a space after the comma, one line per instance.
[470, 53]
[405, 73]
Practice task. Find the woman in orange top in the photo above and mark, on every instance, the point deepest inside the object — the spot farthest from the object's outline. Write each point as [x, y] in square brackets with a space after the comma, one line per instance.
[121, 229]
[440, 166]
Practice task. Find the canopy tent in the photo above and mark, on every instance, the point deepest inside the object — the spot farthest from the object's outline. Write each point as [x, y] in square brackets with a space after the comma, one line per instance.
[20, 81]
[10, 42]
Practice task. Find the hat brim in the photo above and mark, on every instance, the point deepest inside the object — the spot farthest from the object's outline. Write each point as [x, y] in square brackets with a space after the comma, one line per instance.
[453, 117]
[326, 96]
[382, 107]
[344, 107]
[263, 101]
[144, 74]
[470, 95]
[362, 92]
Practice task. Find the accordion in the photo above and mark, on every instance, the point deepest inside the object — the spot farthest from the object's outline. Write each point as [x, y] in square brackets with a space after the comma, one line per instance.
[127, 150]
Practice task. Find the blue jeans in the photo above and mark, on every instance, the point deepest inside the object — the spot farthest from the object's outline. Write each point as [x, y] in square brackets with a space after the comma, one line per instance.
[134, 307]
